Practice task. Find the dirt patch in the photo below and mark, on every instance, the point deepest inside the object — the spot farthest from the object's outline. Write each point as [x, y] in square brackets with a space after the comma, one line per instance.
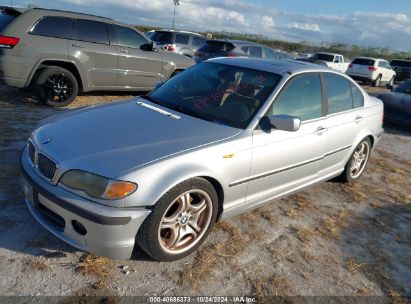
[98, 267]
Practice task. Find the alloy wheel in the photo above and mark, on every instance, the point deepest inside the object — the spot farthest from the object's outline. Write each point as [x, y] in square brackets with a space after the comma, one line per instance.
[359, 159]
[185, 221]
[57, 88]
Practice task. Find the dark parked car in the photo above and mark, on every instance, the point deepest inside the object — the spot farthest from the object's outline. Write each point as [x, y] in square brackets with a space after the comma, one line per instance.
[59, 54]
[397, 104]
[236, 48]
[402, 68]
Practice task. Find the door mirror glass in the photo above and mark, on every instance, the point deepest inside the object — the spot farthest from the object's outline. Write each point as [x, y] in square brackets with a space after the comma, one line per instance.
[285, 122]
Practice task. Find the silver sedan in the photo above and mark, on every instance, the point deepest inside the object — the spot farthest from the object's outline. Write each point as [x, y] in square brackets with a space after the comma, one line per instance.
[221, 138]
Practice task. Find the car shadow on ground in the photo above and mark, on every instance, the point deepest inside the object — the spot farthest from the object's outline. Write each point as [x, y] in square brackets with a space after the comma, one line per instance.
[377, 244]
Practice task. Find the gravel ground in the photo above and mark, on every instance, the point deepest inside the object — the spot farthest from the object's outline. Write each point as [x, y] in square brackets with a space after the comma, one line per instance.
[329, 240]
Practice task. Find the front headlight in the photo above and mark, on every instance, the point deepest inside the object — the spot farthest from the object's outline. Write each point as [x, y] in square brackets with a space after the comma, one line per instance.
[97, 186]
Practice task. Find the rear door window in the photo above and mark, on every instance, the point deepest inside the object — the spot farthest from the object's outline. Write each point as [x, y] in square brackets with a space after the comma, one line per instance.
[382, 64]
[302, 97]
[128, 38]
[339, 93]
[270, 54]
[162, 37]
[217, 46]
[357, 96]
[51, 26]
[182, 38]
[91, 31]
[198, 41]
[7, 16]
[256, 51]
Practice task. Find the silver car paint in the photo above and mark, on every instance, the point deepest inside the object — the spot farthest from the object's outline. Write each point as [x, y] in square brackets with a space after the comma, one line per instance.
[160, 152]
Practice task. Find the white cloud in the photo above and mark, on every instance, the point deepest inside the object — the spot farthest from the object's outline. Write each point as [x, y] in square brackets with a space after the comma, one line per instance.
[305, 26]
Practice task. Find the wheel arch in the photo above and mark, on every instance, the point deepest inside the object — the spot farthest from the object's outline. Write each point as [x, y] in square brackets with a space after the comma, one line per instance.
[68, 65]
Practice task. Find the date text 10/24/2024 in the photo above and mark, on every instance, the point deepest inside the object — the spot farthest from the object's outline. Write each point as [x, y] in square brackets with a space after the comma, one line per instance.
[202, 299]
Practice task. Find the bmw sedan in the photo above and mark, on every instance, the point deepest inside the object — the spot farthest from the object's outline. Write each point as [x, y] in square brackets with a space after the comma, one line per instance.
[397, 104]
[223, 137]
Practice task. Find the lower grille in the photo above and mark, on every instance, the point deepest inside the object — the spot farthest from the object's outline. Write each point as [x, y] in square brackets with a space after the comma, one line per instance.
[46, 166]
[53, 217]
[32, 151]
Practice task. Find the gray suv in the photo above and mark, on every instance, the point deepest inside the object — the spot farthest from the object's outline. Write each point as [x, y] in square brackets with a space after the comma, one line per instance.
[59, 54]
[181, 42]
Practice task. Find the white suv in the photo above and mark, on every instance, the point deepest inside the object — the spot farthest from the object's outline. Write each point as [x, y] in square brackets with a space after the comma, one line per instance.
[371, 70]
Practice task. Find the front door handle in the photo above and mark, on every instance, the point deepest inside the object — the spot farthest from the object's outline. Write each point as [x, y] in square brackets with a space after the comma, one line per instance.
[358, 119]
[77, 45]
[320, 130]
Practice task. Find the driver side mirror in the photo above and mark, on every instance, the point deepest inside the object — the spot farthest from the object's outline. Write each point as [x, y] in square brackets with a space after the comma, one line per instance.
[150, 47]
[285, 122]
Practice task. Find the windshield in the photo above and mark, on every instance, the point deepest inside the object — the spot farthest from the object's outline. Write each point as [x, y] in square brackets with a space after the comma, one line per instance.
[219, 93]
[162, 37]
[6, 16]
[324, 57]
[401, 63]
[217, 46]
[404, 87]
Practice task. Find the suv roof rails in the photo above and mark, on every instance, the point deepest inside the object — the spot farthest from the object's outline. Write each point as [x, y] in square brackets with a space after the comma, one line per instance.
[84, 14]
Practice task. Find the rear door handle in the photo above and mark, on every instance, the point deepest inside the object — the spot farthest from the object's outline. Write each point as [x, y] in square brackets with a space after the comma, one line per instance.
[124, 51]
[358, 119]
[78, 45]
[320, 130]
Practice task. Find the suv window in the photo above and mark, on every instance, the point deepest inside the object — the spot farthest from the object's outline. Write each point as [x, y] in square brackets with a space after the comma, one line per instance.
[256, 51]
[357, 96]
[91, 31]
[58, 27]
[182, 38]
[7, 16]
[339, 93]
[198, 41]
[217, 46]
[382, 64]
[270, 54]
[363, 61]
[323, 57]
[302, 97]
[162, 37]
[128, 38]
[397, 63]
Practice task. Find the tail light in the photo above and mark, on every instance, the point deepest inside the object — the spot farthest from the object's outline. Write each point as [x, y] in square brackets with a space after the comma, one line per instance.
[372, 68]
[170, 47]
[350, 66]
[231, 55]
[8, 42]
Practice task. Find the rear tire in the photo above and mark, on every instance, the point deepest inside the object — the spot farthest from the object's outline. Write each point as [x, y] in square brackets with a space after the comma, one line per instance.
[56, 86]
[377, 81]
[180, 221]
[357, 162]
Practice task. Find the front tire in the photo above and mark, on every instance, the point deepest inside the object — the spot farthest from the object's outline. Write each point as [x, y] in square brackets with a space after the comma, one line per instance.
[357, 162]
[180, 221]
[56, 86]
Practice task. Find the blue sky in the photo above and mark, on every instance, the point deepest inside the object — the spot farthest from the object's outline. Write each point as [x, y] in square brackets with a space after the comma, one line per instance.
[364, 22]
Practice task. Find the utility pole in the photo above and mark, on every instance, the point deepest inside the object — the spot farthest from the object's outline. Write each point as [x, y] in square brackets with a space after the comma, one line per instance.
[176, 3]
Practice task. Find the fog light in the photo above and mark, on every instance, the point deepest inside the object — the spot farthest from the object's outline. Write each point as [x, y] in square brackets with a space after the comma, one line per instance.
[79, 227]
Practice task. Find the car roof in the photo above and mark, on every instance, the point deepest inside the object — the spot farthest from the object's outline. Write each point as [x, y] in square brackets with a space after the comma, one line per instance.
[178, 31]
[406, 60]
[277, 66]
[372, 58]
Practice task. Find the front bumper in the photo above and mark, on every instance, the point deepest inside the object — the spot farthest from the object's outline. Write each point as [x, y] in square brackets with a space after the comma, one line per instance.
[110, 232]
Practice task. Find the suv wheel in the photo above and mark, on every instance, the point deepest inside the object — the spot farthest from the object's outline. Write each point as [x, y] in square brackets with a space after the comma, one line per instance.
[377, 81]
[56, 86]
[357, 162]
[180, 221]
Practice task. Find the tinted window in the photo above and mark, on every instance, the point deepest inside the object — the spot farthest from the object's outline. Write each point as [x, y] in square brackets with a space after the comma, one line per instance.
[382, 64]
[162, 37]
[401, 63]
[339, 93]
[256, 51]
[301, 98]
[217, 46]
[323, 57]
[128, 38]
[58, 27]
[182, 38]
[7, 16]
[363, 61]
[270, 54]
[217, 92]
[357, 96]
[91, 31]
[198, 41]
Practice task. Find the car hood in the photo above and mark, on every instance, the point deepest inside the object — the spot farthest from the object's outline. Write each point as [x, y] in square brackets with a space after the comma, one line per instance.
[112, 139]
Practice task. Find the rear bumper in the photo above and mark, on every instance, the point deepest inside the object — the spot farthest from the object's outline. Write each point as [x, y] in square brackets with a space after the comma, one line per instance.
[110, 232]
[360, 78]
[14, 71]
